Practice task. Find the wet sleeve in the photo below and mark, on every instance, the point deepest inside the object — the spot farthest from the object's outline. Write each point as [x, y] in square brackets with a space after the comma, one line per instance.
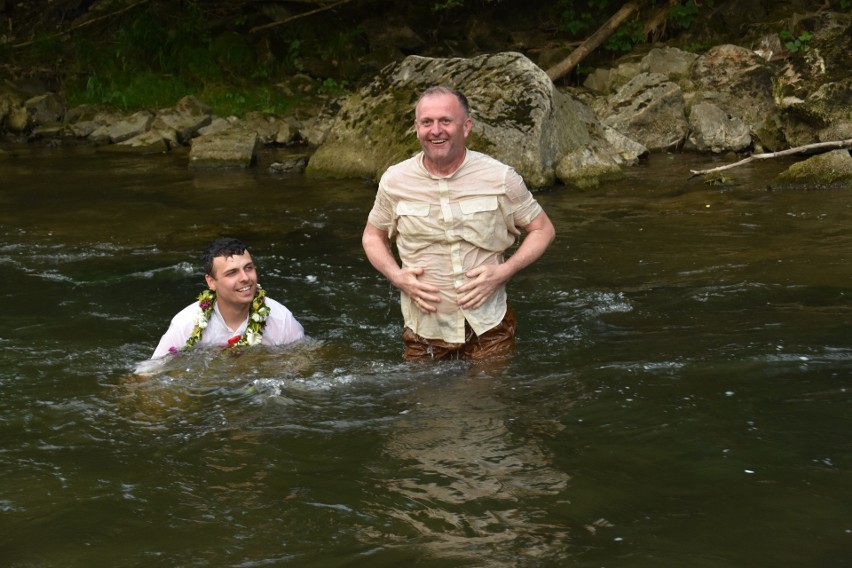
[381, 215]
[282, 327]
[175, 337]
[525, 208]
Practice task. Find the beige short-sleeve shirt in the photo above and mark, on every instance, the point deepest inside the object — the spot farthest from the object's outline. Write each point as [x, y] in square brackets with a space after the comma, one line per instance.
[448, 226]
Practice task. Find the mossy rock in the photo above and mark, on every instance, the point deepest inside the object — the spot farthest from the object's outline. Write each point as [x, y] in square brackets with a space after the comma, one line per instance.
[831, 170]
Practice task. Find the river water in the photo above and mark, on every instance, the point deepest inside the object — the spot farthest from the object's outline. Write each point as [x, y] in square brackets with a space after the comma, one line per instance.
[680, 395]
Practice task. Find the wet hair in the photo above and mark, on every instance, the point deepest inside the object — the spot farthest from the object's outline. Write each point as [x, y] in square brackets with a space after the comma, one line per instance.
[445, 90]
[225, 246]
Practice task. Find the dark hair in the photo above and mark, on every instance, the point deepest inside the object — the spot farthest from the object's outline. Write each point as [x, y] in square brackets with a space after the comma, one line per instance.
[445, 90]
[225, 246]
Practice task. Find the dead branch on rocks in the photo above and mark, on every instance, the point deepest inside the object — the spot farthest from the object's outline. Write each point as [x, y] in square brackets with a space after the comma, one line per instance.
[298, 16]
[593, 41]
[86, 22]
[788, 152]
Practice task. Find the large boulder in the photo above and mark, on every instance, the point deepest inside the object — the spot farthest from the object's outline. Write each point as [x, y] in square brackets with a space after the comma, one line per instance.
[519, 117]
[740, 83]
[649, 109]
[712, 129]
[814, 87]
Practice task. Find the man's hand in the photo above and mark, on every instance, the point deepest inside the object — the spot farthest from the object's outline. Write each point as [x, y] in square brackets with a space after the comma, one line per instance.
[425, 296]
[484, 281]
[377, 246]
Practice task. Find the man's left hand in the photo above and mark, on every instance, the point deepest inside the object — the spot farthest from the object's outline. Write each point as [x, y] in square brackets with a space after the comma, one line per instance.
[484, 281]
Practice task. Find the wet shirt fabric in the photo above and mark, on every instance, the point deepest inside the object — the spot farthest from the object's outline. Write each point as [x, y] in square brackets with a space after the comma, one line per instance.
[448, 226]
[281, 328]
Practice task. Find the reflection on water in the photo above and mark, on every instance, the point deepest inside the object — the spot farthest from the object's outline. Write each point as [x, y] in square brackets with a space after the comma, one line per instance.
[679, 397]
[470, 485]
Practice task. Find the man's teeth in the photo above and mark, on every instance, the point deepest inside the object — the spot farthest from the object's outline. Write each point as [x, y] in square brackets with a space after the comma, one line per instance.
[438, 141]
[244, 289]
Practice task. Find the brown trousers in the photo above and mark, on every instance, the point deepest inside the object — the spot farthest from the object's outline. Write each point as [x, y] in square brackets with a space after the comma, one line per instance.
[499, 340]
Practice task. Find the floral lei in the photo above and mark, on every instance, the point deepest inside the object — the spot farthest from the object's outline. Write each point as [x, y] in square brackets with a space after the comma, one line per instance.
[254, 330]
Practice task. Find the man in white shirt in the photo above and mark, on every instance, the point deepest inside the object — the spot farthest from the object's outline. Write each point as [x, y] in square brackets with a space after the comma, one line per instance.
[233, 311]
[453, 212]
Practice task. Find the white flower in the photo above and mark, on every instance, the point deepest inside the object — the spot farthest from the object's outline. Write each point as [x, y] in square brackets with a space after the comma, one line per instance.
[201, 321]
[253, 338]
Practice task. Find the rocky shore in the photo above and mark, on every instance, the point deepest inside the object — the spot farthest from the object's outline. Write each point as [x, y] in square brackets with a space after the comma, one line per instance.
[737, 99]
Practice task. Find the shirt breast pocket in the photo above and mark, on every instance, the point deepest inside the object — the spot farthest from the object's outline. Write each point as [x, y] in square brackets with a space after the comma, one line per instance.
[482, 221]
[413, 221]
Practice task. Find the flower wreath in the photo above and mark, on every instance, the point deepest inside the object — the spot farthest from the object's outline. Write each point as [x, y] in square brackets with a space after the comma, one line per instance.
[254, 330]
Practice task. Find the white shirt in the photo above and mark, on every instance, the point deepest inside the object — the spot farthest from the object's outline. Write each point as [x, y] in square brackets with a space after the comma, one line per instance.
[281, 328]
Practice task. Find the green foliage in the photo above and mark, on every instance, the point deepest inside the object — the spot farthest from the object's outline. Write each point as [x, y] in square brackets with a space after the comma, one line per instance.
[151, 60]
[683, 15]
[330, 86]
[717, 179]
[625, 37]
[226, 101]
[577, 18]
[796, 43]
[447, 5]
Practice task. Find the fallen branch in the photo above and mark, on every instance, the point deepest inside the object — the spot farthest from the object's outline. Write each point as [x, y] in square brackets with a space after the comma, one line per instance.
[296, 17]
[85, 23]
[592, 42]
[788, 152]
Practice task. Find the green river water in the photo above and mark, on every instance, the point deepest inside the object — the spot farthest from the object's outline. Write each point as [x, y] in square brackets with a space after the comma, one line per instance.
[680, 395]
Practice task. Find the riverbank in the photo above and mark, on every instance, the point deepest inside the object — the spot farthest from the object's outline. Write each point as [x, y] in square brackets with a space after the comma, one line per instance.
[756, 96]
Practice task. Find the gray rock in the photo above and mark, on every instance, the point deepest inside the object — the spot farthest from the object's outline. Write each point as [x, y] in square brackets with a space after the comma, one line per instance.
[519, 117]
[150, 142]
[740, 83]
[83, 120]
[289, 166]
[183, 121]
[606, 81]
[668, 61]
[831, 170]
[712, 129]
[11, 101]
[649, 109]
[45, 109]
[123, 129]
[232, 149]
[585, 168]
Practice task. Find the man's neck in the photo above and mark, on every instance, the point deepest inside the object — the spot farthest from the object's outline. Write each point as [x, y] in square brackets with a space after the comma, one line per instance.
[234, 316]
[443, 170]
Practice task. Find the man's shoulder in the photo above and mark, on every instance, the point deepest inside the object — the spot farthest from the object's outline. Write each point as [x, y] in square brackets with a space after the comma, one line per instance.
[188, 313]
[480, 159]
[405, 167]
[276, 308]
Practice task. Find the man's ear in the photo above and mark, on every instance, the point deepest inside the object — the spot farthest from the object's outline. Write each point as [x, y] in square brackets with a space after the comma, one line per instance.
[211, 282]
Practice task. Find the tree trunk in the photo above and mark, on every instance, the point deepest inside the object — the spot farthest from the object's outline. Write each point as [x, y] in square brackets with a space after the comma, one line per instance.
[592, 42]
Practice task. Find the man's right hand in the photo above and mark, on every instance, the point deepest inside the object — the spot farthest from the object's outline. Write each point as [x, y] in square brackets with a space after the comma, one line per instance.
[377, 246]
[425, 296]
